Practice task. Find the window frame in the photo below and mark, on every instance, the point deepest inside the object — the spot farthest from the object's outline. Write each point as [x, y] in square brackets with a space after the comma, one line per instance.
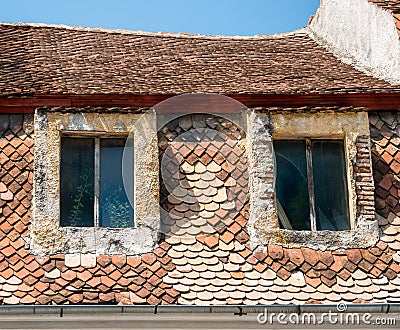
[97, 136]
[343, 127]
[310, 179]
[350, 126]
[47, 236]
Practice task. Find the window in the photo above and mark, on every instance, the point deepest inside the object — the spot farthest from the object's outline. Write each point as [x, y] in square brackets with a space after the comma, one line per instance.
[91, 183]
[96, 182]
[326, 151]
[311, 185]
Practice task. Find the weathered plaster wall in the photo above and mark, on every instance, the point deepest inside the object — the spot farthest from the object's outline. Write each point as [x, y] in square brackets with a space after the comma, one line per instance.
[263, 217]
[360, 34]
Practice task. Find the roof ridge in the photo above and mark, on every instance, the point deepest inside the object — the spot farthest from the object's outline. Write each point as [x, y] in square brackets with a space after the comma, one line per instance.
[301, 31]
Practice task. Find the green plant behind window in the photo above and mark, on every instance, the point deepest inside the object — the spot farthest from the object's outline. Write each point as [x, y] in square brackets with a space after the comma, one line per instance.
[116, 211]
[82, 190]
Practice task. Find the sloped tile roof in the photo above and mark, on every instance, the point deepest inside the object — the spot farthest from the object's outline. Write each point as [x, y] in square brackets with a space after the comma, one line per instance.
[38, 59]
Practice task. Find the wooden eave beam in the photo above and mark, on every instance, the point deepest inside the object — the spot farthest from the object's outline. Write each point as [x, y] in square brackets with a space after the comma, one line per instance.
[370, 101]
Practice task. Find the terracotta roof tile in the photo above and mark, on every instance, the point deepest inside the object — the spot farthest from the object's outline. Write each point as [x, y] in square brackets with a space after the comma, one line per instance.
[328, 281]
[54, 273]
[84, 276]
[144, 63]
[28, 299]
[211, 241]
[88, 260]
[296, 256]
[354, 255]
[310, 256]
[350, 266]
[365, 265]
[94, 282]
[230, 272]
[283, 273]
[118, 260]
[313, 281]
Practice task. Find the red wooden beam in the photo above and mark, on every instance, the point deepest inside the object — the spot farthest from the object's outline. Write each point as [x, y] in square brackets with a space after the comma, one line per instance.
[34, 102]
[18, 109]
[371, 101]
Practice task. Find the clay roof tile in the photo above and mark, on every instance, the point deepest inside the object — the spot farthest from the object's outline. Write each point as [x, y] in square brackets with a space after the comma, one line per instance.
[47, 59]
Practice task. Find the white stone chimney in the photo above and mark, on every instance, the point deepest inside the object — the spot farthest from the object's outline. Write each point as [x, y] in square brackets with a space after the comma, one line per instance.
[361, 34]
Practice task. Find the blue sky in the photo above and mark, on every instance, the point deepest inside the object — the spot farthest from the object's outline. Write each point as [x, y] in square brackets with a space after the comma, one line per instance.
[226, 17]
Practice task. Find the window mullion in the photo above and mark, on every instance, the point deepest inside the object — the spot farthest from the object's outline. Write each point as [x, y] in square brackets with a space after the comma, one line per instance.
[96, 181]
[310, 180]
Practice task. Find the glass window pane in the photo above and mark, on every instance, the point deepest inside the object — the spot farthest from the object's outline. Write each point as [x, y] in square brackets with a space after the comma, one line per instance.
[115, 209]
[330, 185]
[76, 184]
[291, 184]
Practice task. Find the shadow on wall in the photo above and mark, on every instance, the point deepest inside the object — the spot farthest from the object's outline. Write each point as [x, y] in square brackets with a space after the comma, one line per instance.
[203, 177]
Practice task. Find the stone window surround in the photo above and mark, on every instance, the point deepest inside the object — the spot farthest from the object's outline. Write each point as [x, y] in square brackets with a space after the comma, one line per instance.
[47, 237]
[263, 225]
[353, 128]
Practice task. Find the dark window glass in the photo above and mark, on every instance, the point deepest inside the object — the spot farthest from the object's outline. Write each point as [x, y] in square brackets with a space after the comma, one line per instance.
[294, 189]
[291, 184]
[115, 209]
[77, 182]
[330, 185]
